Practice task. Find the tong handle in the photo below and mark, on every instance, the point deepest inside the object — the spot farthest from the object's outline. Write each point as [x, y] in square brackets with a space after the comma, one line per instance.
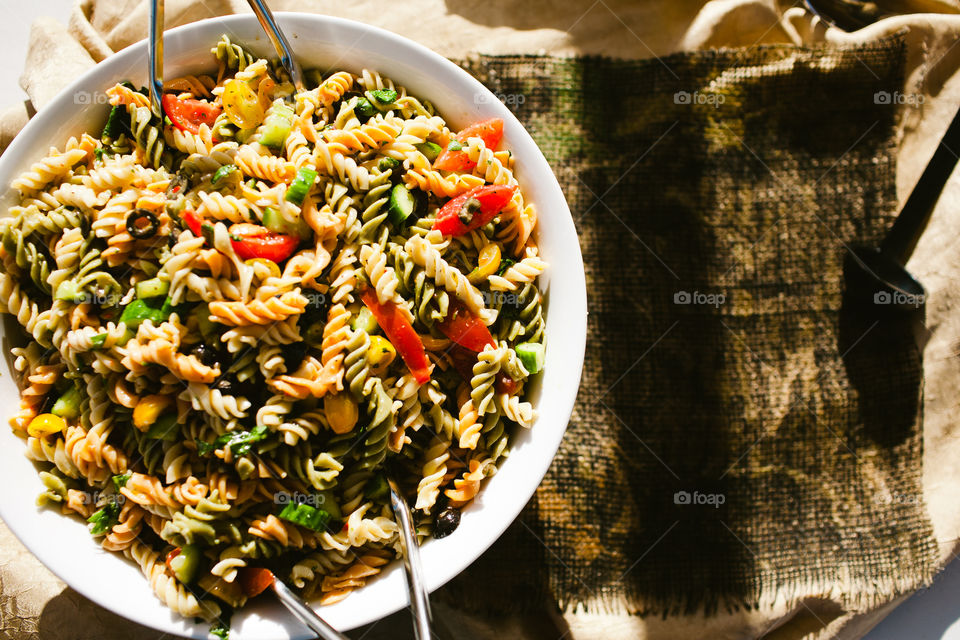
[155, 56]
[280, 43]
[419, 598]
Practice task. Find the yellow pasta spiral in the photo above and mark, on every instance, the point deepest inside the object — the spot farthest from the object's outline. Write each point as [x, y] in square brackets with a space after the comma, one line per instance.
[237, 313]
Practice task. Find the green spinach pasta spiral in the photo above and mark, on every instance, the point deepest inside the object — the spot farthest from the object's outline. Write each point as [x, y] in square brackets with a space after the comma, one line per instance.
[238, 319]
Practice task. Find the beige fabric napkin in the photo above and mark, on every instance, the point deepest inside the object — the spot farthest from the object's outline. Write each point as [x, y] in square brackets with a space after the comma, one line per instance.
[33, 603]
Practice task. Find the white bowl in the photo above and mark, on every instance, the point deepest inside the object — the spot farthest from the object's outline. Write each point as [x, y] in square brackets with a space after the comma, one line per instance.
[64, 545]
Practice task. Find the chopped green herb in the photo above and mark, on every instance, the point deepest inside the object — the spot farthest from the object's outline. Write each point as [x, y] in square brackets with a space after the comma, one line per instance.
[240, 442]
[98, 340]
[221, 628]
[388, 164]
[104, 518]
[384, 96]
[454, 146]
[205, 448]
[120, 481]
[468, 210]
[223, 172]
[116, 123]
[505, 264]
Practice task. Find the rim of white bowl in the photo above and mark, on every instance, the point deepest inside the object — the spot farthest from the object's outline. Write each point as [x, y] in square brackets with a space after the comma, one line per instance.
[499, 503]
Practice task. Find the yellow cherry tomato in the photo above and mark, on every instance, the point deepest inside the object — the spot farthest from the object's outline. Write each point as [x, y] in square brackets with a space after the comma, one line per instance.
[241, 104]
[342, 412]
[487, 264]
[46, 424]
[380, 354]
[263, 263]
[148, 409]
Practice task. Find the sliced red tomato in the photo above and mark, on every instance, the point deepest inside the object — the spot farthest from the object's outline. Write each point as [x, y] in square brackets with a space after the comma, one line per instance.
[465, 329]
[254, 580]
[457, 217]
[193, 221]
[189, 114]
[401, 334]
[463, 361]
[253, 241]
[490, 131]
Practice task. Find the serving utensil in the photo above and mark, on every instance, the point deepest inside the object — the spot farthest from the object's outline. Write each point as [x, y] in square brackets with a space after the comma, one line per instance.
[883, 267]
[155, 57]
[419, 598]
[280, 43]
[256, 580]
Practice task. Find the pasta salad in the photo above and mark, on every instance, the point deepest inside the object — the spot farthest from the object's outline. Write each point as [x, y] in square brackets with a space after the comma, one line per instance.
[238, 318]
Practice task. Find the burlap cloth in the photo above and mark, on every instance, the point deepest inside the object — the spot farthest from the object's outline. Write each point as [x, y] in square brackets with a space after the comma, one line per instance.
[715, 194]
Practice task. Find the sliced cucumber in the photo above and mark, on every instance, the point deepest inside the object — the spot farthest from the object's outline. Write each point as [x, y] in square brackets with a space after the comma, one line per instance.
[274, 221]
[152, 288]
[402, 204]
[67, 290]
[531, 356]
[364, 321]
[67, 405]
[300, 186]
[305, 515]
[277, 126]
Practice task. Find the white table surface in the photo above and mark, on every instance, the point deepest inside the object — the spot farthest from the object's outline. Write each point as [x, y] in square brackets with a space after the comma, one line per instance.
[933, 614]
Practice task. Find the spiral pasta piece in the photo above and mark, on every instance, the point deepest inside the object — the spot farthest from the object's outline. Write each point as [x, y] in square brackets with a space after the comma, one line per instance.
[266, 311]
